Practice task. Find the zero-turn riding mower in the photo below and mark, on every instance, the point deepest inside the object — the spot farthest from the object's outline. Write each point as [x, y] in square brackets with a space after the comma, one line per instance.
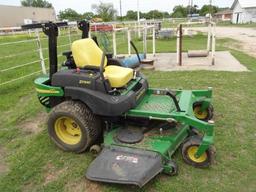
[111, 110]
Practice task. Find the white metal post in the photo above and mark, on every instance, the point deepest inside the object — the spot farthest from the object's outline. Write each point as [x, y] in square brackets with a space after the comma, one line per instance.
[129, 39]
[40, 50]
[213, 43]
[209, 37]
[89, 34]
[154, 41]
[145, 40]
[69, 35]
[178, 45]
[138, 17]
[114, 43]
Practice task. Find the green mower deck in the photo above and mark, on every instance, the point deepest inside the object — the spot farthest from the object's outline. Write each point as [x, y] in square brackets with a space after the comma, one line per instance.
[137, 163]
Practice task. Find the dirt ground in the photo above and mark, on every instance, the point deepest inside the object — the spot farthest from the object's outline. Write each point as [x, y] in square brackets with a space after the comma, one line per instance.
[247, 36]
[3, 165]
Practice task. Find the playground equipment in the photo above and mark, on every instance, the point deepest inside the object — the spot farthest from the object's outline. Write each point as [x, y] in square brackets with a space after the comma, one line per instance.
[211, 43]
[99, 106]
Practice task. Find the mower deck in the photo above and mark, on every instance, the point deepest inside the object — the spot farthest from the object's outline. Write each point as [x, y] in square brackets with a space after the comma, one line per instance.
[136, 163]
[128, 158]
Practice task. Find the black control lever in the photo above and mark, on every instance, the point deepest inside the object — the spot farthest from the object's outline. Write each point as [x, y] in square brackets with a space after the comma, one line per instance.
[136, 50]
[174, 100]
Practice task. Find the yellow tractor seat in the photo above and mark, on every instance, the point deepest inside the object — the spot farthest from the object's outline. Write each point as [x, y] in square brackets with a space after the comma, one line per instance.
[118, 76]
[87, 53]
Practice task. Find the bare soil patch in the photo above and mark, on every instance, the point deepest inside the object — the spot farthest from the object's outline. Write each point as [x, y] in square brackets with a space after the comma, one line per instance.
[4, 168]
[82, 186]
[52, 174]
[33, 125]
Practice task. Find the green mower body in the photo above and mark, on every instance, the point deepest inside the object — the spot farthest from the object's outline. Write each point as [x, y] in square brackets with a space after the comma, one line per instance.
[167, 129]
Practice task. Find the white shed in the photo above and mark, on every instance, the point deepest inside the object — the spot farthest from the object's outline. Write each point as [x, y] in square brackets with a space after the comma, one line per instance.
[244, 11]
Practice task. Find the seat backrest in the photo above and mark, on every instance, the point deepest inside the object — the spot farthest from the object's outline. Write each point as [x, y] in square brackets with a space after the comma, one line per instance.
[87, 53]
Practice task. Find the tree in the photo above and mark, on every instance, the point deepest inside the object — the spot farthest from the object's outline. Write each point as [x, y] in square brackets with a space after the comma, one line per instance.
[131, 15]
[88, 15]
[36, 3]
[208, 9]
[179, 11]
[105, 10]
[192, 9]
[154, 14]
[166, 15]
[69, 14]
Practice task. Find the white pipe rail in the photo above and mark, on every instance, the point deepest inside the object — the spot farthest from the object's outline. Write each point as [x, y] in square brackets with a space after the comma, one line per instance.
[211, 39]
[23, 77]
[19, 66]
[40, 50]
[145, 32]
[18, 42]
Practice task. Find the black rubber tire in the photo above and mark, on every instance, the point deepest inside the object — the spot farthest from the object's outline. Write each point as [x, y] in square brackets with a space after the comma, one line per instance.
[194, 132]
[196, 141]
[89, 124]
[210, 110]
[175, 169]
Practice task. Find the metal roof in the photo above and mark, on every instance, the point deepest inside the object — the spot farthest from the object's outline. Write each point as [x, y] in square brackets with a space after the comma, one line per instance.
[244, 3]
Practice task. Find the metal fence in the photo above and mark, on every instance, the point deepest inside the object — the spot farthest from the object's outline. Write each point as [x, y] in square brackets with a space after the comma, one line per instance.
[25, 55]
[28, 57]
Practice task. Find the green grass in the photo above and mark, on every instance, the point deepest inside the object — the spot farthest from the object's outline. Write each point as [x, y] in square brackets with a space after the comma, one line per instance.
[36, 164]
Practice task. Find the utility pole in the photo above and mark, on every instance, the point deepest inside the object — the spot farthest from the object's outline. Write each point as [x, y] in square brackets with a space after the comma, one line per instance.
[210, 10]
[138, 17]
[121, 14]
[138, 11]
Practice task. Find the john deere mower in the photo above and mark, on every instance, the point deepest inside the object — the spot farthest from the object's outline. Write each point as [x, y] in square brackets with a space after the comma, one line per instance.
[111, 111]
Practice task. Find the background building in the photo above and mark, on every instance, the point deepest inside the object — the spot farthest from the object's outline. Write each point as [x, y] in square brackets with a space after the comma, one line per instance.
[244, 11]
[225, 15]
[14, 16]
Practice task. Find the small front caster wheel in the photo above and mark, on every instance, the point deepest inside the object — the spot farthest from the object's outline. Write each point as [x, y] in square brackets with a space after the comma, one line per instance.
[171, 168]
[204, 115]
[189, 149]
[95, 150]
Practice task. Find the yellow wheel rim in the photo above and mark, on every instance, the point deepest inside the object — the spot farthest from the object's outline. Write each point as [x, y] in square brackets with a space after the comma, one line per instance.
[191, 154]
[67, 130]
[200, 114]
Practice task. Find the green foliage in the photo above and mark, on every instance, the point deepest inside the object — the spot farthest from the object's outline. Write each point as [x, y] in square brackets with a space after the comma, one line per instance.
[179, 11]
[131, 15]
[208, 9]
[72, 15]
[88, 15]
[153, 14]
[69, 14]
[36, 3]
[105, 11]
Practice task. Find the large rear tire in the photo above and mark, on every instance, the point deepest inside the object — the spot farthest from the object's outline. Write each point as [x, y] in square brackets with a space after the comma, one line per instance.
[73, 127]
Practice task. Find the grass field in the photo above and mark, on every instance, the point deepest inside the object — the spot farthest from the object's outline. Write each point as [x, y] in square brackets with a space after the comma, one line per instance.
[29, 161]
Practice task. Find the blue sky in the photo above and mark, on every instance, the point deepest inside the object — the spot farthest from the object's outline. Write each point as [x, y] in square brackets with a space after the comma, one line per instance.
[82, 6]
